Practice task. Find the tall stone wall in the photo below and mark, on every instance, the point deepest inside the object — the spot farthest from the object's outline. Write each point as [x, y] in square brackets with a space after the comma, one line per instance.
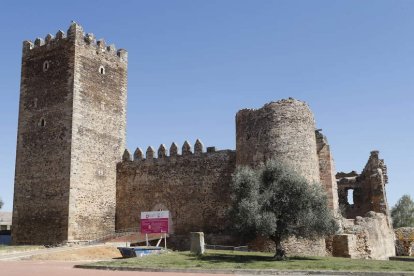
[284, 130]
[327, 170]
[71, 134]
[193, 186]
[98, 134]
[42, 176]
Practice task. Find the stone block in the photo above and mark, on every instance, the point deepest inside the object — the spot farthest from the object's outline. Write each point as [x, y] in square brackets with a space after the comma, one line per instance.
[344, 246]
[197, 243]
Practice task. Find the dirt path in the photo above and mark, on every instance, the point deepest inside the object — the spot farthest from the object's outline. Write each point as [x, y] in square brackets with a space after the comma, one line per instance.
[52, 268]
[66, 253]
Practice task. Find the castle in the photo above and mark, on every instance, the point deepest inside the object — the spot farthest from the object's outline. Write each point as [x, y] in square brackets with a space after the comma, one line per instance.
[74, 177]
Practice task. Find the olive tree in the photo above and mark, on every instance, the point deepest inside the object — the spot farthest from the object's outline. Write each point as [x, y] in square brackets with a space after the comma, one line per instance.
[276, 202]
[403, 212]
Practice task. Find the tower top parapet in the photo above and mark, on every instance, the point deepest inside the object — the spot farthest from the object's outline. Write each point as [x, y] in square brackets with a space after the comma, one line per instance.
[76, 34]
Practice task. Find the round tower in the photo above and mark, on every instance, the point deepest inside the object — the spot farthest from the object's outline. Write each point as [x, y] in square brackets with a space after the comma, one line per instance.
[282, 130]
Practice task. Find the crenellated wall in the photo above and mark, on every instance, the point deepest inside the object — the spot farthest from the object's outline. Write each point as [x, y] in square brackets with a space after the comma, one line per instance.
[193, 186]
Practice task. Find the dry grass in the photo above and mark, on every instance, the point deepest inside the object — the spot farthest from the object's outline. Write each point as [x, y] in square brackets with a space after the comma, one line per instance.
[8, 249]
[81, 254]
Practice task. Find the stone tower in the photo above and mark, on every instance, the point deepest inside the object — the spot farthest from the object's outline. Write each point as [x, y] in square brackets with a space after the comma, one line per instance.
[284, 130]
[71, 134]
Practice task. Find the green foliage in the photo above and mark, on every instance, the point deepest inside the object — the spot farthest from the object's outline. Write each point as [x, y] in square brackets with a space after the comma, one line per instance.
[276, 202]
[1, 203]
[403, 212]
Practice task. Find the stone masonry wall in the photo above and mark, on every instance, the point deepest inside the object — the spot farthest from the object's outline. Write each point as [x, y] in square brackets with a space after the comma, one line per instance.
[71, 134]
[404, 241]
[368, 189]
[194, 187]
[368, 237]
[42, 176]
[99, 130]
[327, 170]
[284, 130]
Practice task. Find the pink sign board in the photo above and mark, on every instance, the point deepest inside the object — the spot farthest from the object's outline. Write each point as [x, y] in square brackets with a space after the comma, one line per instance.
[154, 222]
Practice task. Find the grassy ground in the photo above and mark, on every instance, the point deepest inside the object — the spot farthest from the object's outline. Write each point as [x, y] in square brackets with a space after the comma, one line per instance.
[5, 249]
[254, 260]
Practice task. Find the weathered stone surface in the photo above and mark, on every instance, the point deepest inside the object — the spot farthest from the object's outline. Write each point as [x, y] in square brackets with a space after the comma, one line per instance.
[374, 237]
[194, 188]
[138, 155]
[162, 152]
[71, 134]
[173, 149]
[186, 149]
[197, 243]
[344, 245]
[368, 189]
[293, 246]
[126, 156]
[150, 154]
[198, 147]
[284, 130]
[327, 170]
[404, 243]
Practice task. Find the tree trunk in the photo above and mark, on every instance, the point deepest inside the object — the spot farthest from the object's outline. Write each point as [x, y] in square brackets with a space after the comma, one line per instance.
[280, 252]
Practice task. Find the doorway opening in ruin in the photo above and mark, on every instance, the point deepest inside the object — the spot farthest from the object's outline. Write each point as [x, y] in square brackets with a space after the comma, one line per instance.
[350, 196]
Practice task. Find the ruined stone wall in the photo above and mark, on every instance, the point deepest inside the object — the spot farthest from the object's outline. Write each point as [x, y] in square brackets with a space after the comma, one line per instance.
[99, 130]
[327, 170]
[404, 241]
[293, 246]
[368, 189]
[42, 176]
[194, 187]
[71, 134]
[284, 130]
[368, 237]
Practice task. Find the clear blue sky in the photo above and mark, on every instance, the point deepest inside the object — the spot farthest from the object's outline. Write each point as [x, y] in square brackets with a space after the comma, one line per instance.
[193, 64]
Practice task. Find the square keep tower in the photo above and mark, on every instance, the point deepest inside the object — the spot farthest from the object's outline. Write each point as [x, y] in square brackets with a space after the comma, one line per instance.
[71, 134]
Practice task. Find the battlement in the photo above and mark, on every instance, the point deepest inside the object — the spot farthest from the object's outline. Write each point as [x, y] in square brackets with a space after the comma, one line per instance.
[76, 34]
[162, 153]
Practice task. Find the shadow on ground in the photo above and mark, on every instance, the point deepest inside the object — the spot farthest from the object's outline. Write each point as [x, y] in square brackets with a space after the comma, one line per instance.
[217, 258]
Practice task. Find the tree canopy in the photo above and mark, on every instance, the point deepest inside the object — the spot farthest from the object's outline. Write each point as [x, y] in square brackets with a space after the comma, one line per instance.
[403, 212]
[276, 202]
[1, 203]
